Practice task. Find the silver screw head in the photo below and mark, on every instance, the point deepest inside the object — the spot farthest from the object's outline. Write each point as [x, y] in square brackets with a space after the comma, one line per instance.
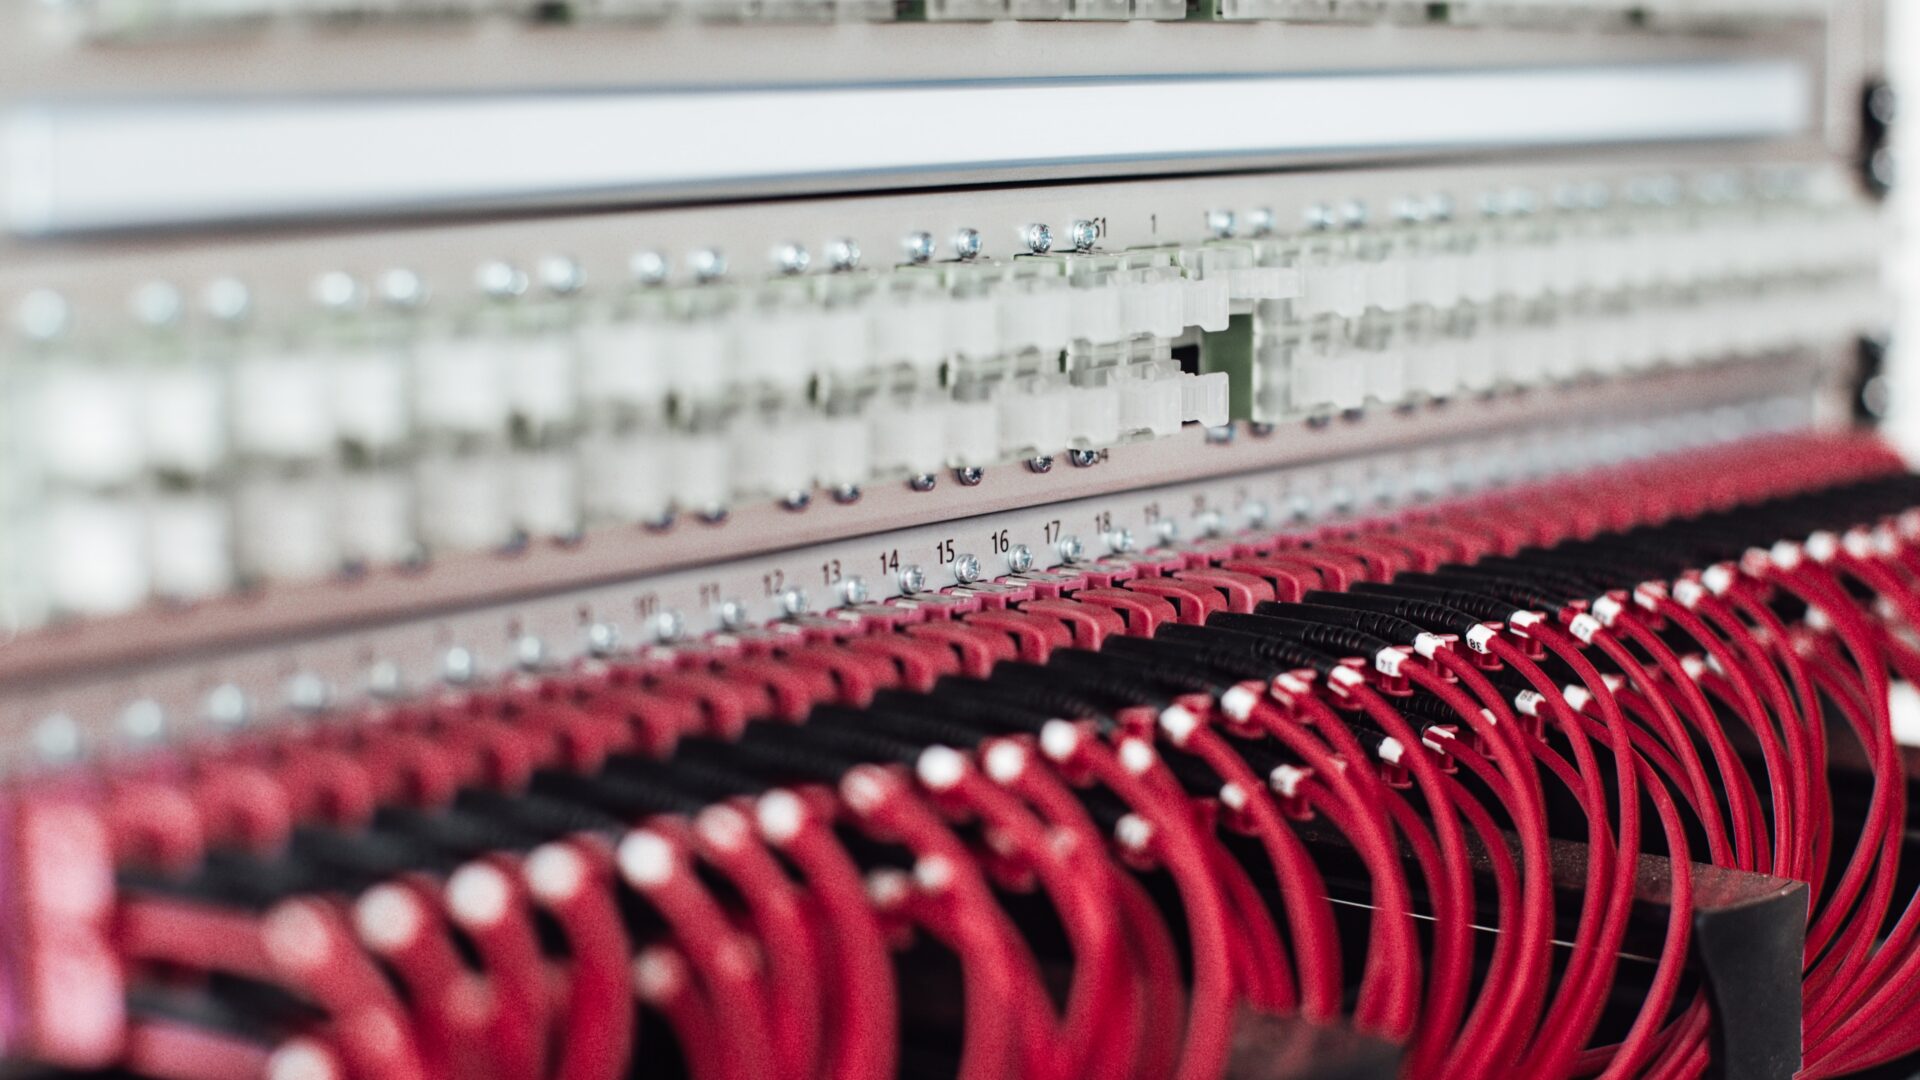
[733, 614]
[1209, 523]
[923, 482]
[1070, 549]
[143, 722]
[336, 290]
[560, 274]
[57, 739]
[1167, 531]
[792, 258]
[1120, 541]
[846, 494]
[912, 579]
[1319, 216]
[603, 639]
[1083, 459]
[967, 244]
[1353, 214]
[529, 653]
[1222, 223]
[918, 247]
[1260, 221]
[228, 299]
[668, 626]
[157, 304]
[458, 666]
[308, 693]
[227, 706]
[843, 255]
[500, 280]
[1085, 235]
[1038, 238]
[402, 288]
[1257, 513]
[384, 680]
[970, 475]
[707, 265]
[966, 568]
[1299, 507]
[1040, 464]
[648, 268]
[854, 591]
[1019, 559]
[793, 601]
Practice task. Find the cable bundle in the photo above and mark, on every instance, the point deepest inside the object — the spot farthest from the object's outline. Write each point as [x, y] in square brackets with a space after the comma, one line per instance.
[1064, 825]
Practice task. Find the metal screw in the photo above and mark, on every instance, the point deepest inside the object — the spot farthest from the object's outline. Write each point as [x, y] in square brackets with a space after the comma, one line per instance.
[56, 739]
[660, 522]
[1257, 513]
[500, 280]
[1409, 210]
[1070, 549]
[336, 290]
[1083, 459]
[1260, 429]
[561, 275]
[967, 244]
[793, 602]
[384, 680]
[308, 693]
[843, 254]
[919, 248]
[648, 268]
[1038, 238]
[402, 288]
[1168, 531]
[1260, 221]
[143, 722]
[712, 513]
[966, 569]
[1085, 235]
[1221, 435]
[1353, 213]
[1019, 559]
[733, 614]
[796, 500]
[668, 626]
[854, 591]
[1040, 464]
[227, 706]
[603, 639]
[228, 299]
[458, 665]
[707, 265]
[1299, 507]
[1209, 523]
[912, 579]
[922, 482]
[791, 258]
[1318, 216]
[847, 494]
[1440, 206]
[529, 652]
[157, 303]
[1221, 223]
[970, 475]
[1120, 541]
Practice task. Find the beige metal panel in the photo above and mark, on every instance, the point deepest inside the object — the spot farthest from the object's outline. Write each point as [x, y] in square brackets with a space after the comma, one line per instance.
[280, 265]
[297, 59]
